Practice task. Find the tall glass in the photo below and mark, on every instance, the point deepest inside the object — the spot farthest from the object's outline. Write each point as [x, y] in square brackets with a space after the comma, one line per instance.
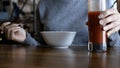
[97, 36]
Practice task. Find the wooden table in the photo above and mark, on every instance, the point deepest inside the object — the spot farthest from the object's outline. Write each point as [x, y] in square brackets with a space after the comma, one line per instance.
[18, 56]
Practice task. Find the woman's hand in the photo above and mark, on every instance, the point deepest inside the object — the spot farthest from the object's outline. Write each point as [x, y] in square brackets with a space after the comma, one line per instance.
[13, 32]
[110, 20]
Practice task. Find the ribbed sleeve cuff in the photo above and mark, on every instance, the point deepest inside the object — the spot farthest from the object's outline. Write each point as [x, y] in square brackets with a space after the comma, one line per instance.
[30, 41]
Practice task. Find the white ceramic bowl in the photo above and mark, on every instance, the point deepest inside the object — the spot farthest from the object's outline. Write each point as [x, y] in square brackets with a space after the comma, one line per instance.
[58, 39]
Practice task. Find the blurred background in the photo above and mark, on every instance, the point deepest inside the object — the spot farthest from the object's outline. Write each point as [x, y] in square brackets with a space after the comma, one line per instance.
[21, 11]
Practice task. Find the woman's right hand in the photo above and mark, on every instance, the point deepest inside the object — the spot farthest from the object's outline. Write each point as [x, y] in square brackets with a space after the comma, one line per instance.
[13, 32]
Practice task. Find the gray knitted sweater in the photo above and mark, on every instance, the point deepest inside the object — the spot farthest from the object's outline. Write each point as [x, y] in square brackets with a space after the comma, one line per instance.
[64, 15]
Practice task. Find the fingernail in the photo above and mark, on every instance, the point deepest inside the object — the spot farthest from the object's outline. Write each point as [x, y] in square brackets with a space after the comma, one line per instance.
[101, 22]
[104, 28]
[100, 16]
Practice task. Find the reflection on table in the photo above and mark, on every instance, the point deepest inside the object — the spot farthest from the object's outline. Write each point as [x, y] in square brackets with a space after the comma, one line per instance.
[19, 56]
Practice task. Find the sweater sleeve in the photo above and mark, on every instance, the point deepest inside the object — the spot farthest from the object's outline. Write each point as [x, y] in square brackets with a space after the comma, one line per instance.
[37, 40]
[115, 39]
[30, 41]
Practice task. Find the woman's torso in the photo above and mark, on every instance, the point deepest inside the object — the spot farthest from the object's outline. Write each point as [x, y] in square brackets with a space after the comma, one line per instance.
[65, 15]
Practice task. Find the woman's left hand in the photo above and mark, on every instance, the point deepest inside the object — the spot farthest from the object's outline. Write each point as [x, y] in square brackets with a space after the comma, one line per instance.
[110, 20]
[13, 32]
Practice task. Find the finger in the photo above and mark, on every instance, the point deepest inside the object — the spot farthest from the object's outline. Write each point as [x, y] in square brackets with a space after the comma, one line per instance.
[3, 25]
[8, 34]
[18, 35]
[7, 27]
[108, 13]
[15, 33]
[108, 19]
[113, 30]
[110, 26]
[10, 30]
[11, 25]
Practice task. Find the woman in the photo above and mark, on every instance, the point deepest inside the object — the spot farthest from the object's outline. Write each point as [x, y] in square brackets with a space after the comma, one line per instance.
[65, 15]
